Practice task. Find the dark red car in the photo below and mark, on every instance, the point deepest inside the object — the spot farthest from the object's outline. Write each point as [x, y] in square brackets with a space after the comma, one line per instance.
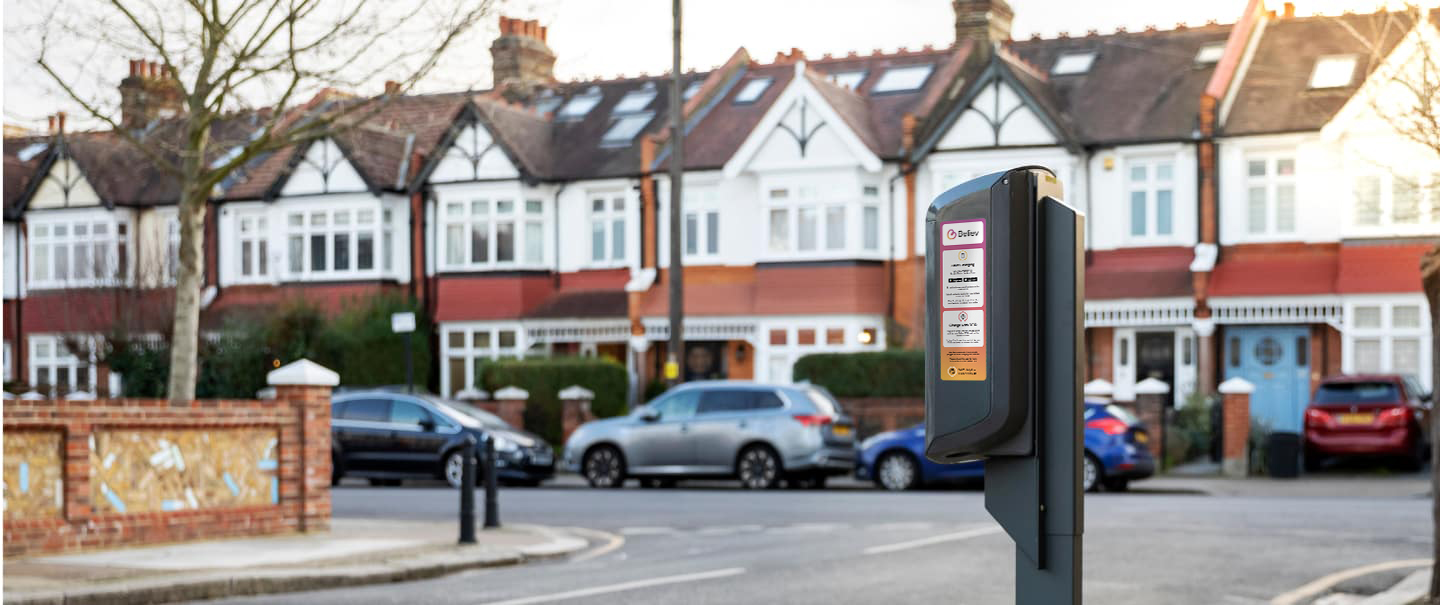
[1370, 415]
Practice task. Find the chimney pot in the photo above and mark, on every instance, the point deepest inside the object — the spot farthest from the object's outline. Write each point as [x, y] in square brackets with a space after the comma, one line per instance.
[392, 87]
[60, 121]
[50, 121]
[1289, 10]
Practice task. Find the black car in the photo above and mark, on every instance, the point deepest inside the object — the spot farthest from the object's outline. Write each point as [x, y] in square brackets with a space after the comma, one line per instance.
[386, 436]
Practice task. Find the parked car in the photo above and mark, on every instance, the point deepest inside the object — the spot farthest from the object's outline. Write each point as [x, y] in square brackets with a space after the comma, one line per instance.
[386, 436]
[1368, 415]
[760, 434]
[1115, 453]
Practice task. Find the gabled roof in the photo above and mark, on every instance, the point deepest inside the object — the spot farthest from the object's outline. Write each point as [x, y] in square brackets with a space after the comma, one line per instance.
[982, 68]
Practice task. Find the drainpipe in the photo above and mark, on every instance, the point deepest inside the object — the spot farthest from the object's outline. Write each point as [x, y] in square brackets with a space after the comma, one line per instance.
[556, 229]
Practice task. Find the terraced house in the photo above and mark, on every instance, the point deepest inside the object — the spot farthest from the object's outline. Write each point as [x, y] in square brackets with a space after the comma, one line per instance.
[1249, 215]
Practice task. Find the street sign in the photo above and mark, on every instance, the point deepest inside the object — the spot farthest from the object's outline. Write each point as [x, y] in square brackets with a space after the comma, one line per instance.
[1004, 289]
[402, 322]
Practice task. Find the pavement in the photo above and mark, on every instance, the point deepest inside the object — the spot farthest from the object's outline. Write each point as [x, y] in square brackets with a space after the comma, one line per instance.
[355, 552]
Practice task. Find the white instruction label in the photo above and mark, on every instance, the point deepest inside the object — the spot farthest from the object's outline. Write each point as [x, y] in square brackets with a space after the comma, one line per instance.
[964, 278]
[964, 328]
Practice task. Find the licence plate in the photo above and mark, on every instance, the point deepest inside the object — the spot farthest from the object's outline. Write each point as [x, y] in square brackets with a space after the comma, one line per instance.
[1354, 419]
[840, 431]
[543, 458]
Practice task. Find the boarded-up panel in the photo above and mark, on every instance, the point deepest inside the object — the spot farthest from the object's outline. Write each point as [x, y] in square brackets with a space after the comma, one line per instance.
[33, 472]
[143, 470]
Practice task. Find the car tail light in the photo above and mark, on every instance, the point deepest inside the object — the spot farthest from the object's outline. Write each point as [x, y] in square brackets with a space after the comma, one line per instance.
[813, 419]
[1111, 426]
[1394, 417]
[1317, 418]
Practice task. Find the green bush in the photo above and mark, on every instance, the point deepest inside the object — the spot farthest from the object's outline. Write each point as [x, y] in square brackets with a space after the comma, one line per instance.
[544, 378]
[871, 374]
[359, 345]
[1188, 434]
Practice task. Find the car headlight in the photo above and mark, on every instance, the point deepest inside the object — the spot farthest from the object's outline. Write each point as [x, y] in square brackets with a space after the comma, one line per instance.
[504, 445]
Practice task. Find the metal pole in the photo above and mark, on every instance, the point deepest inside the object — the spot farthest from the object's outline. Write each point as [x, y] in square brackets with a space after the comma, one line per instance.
[467, 493]
[410, 363]
[677, 167]
[492, 504]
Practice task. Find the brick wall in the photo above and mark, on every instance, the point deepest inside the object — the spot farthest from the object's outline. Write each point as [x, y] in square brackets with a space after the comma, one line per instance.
[299, 415]
[879, 414]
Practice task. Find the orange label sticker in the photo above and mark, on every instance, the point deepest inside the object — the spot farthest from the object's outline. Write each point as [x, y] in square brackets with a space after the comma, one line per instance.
[962, 288]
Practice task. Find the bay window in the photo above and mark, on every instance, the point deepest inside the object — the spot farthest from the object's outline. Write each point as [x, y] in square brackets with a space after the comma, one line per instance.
[54, 365]
[324, 243]
[78, 252]
[607, 229]
[1388, 337]
[826, 220]
[1396, 200]
[485, 232]
[467, 348]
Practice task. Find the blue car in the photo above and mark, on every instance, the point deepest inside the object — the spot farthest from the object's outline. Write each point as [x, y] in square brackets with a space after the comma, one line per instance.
[1116, 452]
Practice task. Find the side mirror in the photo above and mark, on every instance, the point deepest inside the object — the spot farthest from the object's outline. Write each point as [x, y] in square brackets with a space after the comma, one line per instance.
[427, 425]
[649, 414]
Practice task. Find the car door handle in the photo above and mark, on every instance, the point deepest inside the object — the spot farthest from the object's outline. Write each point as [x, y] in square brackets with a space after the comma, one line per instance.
[742, 424]
[684, 428]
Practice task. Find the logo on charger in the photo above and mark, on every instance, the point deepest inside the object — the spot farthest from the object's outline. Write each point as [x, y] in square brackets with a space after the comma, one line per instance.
[963, 233]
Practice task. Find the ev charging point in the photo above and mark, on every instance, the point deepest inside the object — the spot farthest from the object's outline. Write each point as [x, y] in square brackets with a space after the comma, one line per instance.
[1004, 292]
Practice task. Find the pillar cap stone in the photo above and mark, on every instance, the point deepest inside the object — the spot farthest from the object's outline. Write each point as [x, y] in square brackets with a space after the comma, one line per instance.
[1236, 386]
[1151, 386]
[1100, 388]
[512, 393]
[576, 392]
[303, 373]
[7, 395]
[80, 396]
[31, 395]
[472, 394]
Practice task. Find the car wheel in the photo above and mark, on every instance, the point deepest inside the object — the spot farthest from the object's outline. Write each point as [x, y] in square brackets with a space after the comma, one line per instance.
[1117, 485]
[455, 469]
[1415, 462]
[897, 472]
[758, 468]
[1313, 462]
[604, 467]
[385, 482]
[1092, 474]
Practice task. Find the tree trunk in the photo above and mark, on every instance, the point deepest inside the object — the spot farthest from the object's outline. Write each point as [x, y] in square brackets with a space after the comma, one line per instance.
[1430, 277]
[185, 335]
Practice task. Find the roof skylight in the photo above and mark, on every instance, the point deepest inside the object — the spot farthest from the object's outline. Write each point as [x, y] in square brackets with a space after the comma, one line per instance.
[909, 77]
[1210, 53]
[849, 79]
[1333, 72]
[636, 100]
[547, 105]
[625, 128]
[752, 90]
[31, 150]
[581, 104]
[1073, 63]
[693, 88]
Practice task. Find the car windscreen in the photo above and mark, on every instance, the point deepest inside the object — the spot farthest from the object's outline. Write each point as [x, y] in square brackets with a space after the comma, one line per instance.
[465, 409]
[1357, 392]
[1123, 414]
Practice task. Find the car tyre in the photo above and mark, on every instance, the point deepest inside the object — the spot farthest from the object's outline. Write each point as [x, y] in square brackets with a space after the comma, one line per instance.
[1313, 462]
[1093, 474]
[758, 468]
[897, 472]
[1415, 462]
[385, 482]
[604, 467]
[454, 471]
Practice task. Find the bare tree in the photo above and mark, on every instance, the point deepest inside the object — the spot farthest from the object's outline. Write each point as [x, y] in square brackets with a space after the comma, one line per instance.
[1404, 94]
[221, 55]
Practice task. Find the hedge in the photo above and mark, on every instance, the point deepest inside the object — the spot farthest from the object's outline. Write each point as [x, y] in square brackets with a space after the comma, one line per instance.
[544, 378]
[869, 374]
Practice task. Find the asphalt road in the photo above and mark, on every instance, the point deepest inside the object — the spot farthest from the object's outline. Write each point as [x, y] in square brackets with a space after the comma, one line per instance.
[865, 546]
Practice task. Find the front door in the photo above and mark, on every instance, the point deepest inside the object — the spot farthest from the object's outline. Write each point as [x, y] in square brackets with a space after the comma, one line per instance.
[1155, 358]
[1277, 361]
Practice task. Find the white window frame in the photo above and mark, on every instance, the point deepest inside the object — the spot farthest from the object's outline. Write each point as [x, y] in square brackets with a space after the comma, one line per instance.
[701, 208]
[612, 218]
[822, 199]
[1333, 66]
[7, 362]
[376, 227]
[1271, 183]
[1386, 333]
[55, 357]
[1151, 187]
[1427, 192]
[469, 352]
[261, 254]
[482, 210]
[41, 233]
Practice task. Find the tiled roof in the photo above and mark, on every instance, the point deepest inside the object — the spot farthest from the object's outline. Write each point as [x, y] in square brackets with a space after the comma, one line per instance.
[1275, 270]
[1138, 273]
[1381, 266]
[582, 304]
[19, 173]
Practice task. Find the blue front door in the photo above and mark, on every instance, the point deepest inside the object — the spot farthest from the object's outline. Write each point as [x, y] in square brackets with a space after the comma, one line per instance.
[1277, 361]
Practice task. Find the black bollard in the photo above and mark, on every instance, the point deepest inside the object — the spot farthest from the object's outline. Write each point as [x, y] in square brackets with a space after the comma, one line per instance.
[492, 506]
[467, 493]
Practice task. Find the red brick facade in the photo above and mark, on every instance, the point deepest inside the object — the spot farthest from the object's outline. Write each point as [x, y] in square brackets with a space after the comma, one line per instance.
[301, 415]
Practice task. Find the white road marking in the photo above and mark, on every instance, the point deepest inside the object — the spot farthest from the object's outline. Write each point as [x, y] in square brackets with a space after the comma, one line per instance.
[1325, 582]
[940, 539]
[728, 529]
[901, 526]
[624, 586]
[647, 531]
[800, 528]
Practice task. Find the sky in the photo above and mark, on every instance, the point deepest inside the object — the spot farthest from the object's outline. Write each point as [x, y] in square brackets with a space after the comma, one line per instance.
[612, 37]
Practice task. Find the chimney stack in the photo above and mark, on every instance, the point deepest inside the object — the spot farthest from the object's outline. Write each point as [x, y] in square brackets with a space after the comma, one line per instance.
[521, 60]
[986, 21]
[148, 93]
[1289, 10]
[392, 87]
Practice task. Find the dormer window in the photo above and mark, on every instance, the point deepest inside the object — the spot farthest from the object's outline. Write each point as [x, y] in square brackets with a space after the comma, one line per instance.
[1333, 72]
[899, 79]
[849, 79]
[752, 90]
[625, 129]
[1210, 53]
[581, 104]
[1073, 63]
[636, 100]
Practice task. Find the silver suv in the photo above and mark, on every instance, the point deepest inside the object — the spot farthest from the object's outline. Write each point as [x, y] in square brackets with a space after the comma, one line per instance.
[757, 433]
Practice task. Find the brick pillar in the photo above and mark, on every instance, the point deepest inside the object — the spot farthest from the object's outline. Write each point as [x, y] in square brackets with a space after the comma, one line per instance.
[509, 405]
[77, 472]
[574, 409]
[1235, 415]
[305, 451]
[1152, 397]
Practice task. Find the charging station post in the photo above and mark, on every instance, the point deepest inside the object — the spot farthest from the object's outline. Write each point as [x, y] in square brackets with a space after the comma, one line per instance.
[1003, 364]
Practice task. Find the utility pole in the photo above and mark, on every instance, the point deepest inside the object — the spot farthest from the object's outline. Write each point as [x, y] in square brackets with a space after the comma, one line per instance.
[677, 168]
